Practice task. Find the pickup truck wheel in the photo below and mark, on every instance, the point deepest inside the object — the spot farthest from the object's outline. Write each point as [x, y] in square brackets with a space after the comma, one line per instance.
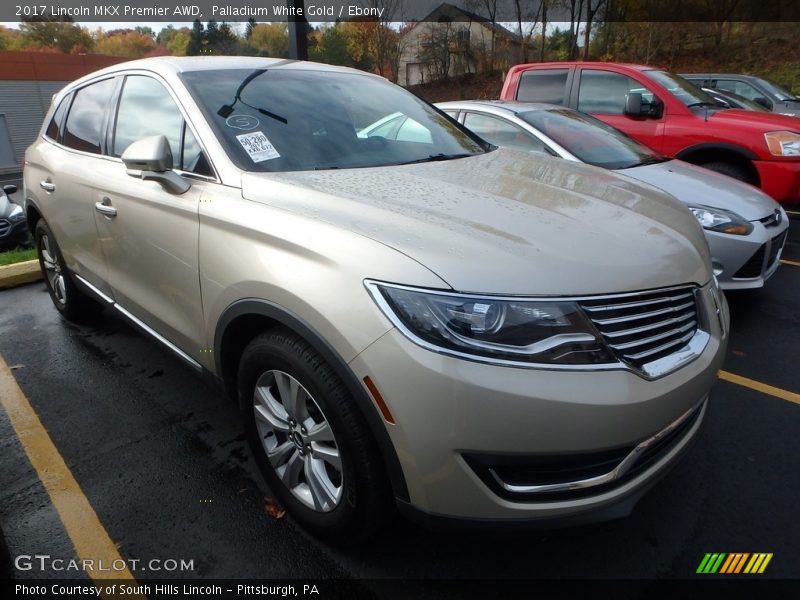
[309, 441]
[68, 299]
[729, 169]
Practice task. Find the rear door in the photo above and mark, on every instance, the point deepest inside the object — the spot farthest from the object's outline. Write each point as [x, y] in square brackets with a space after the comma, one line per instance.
[601, 93]
[61, 176]
[149, 235]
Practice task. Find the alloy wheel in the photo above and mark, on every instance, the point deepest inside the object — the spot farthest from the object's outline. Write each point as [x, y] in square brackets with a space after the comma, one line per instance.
[298, 440]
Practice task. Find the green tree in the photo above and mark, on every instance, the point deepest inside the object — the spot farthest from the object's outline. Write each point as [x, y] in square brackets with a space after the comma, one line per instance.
[128, 44]
[196, 39]
[179, 43]
[270, 39]
[64, 36]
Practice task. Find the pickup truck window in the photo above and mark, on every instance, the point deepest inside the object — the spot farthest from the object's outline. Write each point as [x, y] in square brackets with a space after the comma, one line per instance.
[603, 92]
[547, 85]
[683, 90]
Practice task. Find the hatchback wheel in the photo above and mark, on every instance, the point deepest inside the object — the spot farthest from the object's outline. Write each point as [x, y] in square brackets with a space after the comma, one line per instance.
[309, 440]
[70, 301]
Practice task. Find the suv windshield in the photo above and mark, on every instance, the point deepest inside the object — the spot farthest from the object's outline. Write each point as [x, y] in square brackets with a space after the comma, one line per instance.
[298, 120]
[683, 90]
[589, 139]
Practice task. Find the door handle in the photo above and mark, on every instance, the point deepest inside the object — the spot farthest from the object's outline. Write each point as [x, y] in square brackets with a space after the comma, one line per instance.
[105, 207]
[47, 186]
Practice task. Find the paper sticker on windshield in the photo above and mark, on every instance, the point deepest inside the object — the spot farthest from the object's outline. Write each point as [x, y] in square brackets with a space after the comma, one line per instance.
[257, 146]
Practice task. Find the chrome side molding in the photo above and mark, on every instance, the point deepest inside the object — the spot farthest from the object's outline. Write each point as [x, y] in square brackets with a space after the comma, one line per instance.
[139, 323]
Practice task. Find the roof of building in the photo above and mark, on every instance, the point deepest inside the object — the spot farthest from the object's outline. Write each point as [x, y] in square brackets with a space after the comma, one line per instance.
[51, 66]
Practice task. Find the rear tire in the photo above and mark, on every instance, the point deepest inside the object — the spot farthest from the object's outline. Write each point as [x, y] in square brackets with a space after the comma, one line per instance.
[310, 442]
[69, 300]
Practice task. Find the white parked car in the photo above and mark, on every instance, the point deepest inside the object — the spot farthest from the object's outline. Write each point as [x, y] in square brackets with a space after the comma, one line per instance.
[745, 228]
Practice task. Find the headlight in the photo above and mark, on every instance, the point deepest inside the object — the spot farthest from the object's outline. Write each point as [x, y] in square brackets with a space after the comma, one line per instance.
[724, 221]
[16, 213]
[783, 143]
[493, 328]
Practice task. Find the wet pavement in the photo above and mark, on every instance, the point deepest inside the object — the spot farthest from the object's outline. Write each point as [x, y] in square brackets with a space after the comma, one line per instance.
[162, 459]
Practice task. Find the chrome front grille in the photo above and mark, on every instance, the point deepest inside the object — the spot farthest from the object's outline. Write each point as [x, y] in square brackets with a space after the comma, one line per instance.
[5, 225]
[645, 327]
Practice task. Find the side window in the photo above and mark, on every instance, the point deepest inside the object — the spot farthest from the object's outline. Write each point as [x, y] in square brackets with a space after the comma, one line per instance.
[543, 86]
[56, 123]
[84, 126]
[502, 133]
[603, 92]
[146, 108]
[193, 159]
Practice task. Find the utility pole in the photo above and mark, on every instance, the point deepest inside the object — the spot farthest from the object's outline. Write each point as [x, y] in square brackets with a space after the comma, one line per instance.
[298, 43]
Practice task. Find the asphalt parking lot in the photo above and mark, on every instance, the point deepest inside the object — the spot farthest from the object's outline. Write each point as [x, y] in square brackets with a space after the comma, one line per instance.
[160, 458]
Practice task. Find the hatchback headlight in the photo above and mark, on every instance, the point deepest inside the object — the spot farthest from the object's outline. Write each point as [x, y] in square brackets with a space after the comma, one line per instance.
[16, 213]
[724, 221]
[493, 328]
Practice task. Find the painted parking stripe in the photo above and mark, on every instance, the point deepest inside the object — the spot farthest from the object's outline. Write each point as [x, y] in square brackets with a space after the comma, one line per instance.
[760, 387]
[793, 212]
[794, 263]
[89, 537]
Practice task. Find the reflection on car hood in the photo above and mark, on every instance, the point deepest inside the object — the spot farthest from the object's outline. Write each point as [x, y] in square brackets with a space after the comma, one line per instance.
[506, 222]
[696, 185]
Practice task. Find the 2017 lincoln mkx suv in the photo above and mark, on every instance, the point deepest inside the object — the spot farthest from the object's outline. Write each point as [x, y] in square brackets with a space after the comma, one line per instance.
[429, 322]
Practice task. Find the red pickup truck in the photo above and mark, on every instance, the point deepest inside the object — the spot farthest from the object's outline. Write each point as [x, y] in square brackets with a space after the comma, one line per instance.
[672, 116]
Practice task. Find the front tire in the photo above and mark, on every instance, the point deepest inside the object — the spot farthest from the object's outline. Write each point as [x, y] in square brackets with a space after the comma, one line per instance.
[729, 169]
[309, 440]
[68, 299]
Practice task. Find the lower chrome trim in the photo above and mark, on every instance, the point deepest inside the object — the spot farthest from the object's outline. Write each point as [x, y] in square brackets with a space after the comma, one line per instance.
[147, 329]
[619, 471]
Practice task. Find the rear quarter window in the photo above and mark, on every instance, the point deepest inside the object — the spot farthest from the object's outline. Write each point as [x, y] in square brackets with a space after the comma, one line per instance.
[54, 128]
[84, 127]
[546, 85]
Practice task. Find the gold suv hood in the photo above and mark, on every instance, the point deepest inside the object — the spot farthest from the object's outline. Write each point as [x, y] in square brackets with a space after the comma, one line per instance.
[506, 222]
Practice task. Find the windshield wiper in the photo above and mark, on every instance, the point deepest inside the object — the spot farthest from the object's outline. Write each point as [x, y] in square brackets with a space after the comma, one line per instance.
[436, 158]
[226, 110]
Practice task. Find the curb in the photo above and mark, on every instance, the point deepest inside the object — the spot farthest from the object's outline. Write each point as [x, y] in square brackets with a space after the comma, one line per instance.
[19, 274]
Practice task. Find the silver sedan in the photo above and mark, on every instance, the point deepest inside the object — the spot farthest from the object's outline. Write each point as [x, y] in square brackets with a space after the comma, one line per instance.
[745, 228]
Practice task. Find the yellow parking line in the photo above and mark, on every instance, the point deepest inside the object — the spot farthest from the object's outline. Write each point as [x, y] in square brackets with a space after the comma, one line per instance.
[760, 387]
[84, 528]
[792, 212]
[794, 263]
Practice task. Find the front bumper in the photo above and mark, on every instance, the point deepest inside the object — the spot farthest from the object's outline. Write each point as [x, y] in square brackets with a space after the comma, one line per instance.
[448, 411]
[746, 262]
[13, 233]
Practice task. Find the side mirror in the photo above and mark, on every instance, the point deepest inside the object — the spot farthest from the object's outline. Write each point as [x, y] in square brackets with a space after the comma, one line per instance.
[150, 159]
[10, 189]
[633, 104]
[763, 102]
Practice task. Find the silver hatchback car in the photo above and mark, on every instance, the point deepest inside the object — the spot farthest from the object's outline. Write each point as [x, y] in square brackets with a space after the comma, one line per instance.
[746, 229]
[454, 329]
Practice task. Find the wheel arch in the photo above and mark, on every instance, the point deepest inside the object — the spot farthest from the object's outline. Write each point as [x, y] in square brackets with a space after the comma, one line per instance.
[739, 156]
[245, 319]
